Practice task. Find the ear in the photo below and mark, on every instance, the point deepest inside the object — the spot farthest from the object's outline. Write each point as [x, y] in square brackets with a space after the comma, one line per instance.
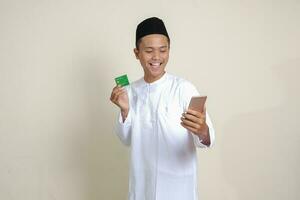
[136, 53]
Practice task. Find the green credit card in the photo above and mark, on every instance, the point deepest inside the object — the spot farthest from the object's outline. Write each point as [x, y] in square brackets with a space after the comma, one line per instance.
[122, 80]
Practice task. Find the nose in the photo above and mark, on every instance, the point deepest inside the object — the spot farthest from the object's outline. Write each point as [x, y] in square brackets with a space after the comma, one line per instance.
[156, 55]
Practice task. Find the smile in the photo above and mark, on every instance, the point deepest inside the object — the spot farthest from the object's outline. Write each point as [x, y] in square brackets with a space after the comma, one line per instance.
[155, 64]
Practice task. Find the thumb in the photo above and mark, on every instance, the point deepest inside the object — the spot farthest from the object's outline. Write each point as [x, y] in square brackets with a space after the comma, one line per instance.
[204, 110]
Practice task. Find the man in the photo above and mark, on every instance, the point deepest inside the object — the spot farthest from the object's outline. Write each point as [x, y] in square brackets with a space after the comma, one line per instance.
[156, 123]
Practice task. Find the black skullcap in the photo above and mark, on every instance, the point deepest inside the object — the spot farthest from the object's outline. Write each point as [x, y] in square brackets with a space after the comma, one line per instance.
[149, 26]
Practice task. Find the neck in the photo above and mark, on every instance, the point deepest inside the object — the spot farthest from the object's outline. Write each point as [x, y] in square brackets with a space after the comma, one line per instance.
[153, 79]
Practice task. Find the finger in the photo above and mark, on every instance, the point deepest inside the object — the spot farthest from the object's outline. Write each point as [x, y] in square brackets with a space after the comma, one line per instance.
[191, 129]
[203, 116]
[197, 119]
[204, 109]
[120, 91]
[113, 92]
[116, 91]
[203, 113]
[115, 95]
[118, 94]
[193, 112]
[190, 123]
[191, 117]
[117, 88]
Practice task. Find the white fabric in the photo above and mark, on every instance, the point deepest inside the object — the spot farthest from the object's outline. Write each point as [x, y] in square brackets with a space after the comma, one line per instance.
[163, 153]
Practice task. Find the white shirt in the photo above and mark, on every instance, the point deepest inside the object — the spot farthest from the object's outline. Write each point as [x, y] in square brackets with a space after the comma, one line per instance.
[163, 162]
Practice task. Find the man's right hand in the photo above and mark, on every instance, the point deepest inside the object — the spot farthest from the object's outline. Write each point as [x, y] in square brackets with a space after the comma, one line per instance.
[119, 97]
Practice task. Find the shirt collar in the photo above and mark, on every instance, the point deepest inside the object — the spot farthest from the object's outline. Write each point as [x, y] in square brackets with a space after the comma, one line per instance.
[157, 82]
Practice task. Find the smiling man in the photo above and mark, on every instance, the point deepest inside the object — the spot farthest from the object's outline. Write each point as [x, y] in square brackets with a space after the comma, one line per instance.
[155, 122]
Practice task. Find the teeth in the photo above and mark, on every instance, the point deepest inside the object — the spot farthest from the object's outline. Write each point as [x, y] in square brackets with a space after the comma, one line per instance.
[155, 64]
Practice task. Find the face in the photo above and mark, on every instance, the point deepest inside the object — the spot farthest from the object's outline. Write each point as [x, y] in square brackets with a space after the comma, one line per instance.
[153, 53]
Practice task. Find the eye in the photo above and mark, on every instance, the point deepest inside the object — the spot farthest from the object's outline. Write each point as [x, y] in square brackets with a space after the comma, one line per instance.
[163, 50]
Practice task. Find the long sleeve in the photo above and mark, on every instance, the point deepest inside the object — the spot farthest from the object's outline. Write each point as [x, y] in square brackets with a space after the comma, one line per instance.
[211, 129]
[124, 128]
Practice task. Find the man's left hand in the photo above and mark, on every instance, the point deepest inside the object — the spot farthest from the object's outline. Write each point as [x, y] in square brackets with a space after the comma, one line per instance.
[195, 122]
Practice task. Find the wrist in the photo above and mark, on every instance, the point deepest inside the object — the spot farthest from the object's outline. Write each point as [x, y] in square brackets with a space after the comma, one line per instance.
[124, 113]
[126, 110]
[204, 135]
[204, 132]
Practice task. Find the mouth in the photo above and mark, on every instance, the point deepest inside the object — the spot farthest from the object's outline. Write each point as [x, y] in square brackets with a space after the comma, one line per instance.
[155, 65]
